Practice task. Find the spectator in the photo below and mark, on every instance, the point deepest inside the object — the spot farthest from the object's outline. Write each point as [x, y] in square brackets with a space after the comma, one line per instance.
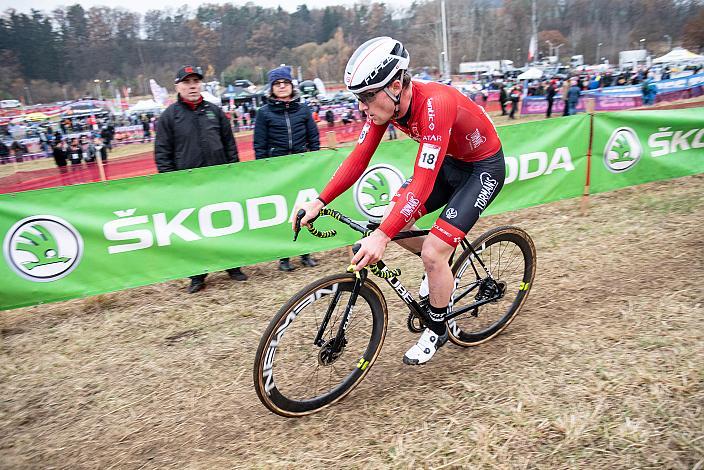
[550, 95]
[573, 98]
[146, 129]
[347, 120]
[330, 117]
[107, 134]
[97, 148]
[4, 153]
[515, 97]
[503, 98]
[564, 91]
[75, 152]
[285, 126]
[100, 149]
[392, 132]
[177, 147]
[44, 141]
[60, 152]
[649, 90]
[253, 115]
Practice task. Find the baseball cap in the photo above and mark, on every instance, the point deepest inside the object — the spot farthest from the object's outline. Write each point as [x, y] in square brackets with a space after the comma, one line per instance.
[187, 70]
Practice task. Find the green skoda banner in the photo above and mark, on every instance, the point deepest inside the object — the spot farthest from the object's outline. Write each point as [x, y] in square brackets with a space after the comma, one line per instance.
[640, 146]
[69, 242]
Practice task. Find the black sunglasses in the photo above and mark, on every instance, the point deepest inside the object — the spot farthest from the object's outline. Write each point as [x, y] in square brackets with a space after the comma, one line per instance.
[367, 97]
[281, 82]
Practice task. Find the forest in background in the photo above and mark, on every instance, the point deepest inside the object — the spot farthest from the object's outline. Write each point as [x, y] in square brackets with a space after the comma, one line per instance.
[56, 55]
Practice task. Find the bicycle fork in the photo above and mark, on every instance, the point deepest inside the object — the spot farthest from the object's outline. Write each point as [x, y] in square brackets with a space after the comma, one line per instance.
[338, 342]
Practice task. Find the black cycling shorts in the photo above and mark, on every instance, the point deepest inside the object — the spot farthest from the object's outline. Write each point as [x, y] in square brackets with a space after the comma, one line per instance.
[466, 189]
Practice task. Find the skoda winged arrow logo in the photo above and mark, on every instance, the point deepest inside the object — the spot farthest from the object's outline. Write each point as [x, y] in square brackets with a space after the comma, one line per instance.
[623, 150]
[42, 248]
[375, 189]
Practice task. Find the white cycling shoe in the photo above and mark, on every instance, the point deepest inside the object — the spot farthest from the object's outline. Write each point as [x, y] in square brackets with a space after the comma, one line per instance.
[421, 352]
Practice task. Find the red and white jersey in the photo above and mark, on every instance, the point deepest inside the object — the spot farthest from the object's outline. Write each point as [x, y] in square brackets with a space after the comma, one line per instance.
[444, 122]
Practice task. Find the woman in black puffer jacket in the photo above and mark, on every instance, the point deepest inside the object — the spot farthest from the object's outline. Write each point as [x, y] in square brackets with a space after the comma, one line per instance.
[285, 126]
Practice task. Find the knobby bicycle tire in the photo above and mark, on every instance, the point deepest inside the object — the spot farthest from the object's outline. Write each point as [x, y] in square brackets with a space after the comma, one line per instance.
[285, 402]
[467, 333]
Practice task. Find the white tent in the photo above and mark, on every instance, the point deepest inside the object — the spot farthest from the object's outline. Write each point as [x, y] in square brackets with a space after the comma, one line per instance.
[531, 74]
[207, 96]
[679, 54]
[144, 106]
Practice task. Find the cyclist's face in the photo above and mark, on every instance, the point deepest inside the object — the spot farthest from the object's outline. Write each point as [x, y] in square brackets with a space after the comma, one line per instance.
[377, 104]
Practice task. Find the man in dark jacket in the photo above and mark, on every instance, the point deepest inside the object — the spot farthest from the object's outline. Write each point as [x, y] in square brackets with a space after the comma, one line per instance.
[285, 126]
[193, 133]
[550, 94]
[503, 98]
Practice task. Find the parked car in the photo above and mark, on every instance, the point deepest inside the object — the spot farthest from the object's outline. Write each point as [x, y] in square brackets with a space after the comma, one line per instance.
[7, 104]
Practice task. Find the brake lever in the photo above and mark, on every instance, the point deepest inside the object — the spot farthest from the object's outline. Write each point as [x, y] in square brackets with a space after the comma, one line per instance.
[297, 226]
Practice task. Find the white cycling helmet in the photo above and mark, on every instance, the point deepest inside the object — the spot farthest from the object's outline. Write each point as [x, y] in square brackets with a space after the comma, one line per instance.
[375, 63]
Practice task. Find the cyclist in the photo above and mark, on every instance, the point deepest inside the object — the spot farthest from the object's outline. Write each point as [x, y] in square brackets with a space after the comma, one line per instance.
[459, 165]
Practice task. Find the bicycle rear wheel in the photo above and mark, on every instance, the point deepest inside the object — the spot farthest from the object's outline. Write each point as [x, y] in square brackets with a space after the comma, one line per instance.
[292, 375]
[509, 254]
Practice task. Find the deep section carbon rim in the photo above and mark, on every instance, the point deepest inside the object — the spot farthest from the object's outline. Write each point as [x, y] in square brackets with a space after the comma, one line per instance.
[293, 376]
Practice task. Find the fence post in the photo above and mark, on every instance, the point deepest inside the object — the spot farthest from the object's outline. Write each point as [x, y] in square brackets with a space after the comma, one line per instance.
[584, 203]
[331, 138]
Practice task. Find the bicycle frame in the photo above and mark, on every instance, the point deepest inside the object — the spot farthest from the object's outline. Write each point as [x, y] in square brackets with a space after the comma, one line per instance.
[398, 287]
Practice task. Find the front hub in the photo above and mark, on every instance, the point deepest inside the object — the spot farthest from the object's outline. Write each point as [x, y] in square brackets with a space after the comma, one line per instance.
[329, 354]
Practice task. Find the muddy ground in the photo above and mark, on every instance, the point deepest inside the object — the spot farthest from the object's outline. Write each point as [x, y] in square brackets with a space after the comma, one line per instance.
[603, 368]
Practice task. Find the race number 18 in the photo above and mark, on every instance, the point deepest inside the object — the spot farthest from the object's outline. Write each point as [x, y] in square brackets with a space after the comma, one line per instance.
[428, 156]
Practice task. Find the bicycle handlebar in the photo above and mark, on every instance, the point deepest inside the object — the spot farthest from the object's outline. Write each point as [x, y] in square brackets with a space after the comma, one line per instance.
[376, 268]
[327, 233]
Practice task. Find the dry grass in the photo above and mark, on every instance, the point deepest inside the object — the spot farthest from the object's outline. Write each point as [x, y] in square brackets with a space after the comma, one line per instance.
[604, 368]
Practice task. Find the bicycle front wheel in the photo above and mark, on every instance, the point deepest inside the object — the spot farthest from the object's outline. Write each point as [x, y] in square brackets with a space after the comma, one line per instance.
[294, 375]
[509, 255]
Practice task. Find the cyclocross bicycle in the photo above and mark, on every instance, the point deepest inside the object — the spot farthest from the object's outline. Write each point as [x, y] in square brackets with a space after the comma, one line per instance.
[324, 340]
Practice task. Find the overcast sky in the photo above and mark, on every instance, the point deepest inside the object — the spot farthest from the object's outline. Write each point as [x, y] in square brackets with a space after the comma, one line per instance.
[145, 5]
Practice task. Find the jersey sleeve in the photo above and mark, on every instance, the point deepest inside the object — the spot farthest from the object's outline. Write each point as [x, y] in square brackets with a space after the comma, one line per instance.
[436, 126]
[354, 165]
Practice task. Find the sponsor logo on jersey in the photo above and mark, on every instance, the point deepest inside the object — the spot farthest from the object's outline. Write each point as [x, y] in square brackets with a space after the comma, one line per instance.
[475, 139]
[451, 213]
[442, 230]
[364, 132]
[412, 204]
[489, 184]
[432, 138]
[415, 134]
[43, 248]
[431, 115]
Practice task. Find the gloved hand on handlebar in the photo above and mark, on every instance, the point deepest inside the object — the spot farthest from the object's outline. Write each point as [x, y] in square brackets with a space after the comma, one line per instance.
[305, 213]
[371, 249]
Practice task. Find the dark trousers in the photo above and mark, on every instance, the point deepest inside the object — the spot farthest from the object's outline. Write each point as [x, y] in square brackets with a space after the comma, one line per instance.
[549, 112]
[514, 105]
[503, 108]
